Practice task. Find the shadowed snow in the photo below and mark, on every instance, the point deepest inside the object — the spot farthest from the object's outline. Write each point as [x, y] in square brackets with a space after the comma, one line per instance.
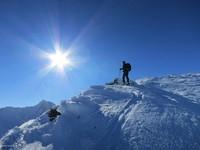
[115, 117]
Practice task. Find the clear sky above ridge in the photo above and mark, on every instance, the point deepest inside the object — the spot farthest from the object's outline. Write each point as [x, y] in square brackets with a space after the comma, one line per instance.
[158, 37]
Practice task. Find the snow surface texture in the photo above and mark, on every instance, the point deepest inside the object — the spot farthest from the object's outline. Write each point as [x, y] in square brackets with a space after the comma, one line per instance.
[155, 114]
[187, 85]
[11, 116]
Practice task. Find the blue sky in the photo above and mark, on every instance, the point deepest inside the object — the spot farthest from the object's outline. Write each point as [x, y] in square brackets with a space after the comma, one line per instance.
[158, 37]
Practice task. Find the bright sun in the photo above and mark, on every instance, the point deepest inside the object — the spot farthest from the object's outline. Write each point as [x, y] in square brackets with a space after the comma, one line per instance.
[59, 60]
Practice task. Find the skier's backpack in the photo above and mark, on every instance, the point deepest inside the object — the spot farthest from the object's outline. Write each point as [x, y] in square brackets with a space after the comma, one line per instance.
[128, 66]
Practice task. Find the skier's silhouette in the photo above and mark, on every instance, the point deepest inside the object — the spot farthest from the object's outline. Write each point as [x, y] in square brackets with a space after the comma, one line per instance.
[126, 67]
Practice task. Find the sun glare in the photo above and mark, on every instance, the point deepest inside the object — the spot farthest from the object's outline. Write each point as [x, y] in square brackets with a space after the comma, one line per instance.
[59, 60]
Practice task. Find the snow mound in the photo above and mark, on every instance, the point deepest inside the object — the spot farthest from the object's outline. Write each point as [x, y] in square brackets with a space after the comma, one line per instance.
[114, 117]
[12, 116]
[186, 85]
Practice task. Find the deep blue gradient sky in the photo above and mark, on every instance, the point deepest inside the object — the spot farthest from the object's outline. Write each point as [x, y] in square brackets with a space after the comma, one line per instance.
[158, 37]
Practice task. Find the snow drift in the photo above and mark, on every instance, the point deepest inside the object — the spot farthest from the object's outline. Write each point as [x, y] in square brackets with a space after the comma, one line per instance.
[157, 113]
[12, 116]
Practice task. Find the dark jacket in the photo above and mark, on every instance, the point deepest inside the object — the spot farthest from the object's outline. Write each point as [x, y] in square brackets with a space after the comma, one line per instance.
[125, 68]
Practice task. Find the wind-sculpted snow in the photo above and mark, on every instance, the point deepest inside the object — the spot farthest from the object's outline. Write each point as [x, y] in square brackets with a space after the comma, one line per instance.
[12, 116]
[185, 85]
[115, 117]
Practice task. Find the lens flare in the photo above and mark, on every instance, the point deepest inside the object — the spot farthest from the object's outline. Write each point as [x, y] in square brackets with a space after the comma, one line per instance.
[59, 60]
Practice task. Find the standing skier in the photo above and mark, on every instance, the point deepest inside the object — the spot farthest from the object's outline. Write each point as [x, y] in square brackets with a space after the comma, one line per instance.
[126, 67]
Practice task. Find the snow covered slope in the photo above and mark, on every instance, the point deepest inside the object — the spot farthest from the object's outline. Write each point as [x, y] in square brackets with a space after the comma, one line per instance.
[187, 85]
[11, 116]
[151, 115]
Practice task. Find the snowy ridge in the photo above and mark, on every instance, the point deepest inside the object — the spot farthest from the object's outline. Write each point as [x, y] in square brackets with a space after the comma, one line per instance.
[187, 85]
[12, 116]
[115, 117]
